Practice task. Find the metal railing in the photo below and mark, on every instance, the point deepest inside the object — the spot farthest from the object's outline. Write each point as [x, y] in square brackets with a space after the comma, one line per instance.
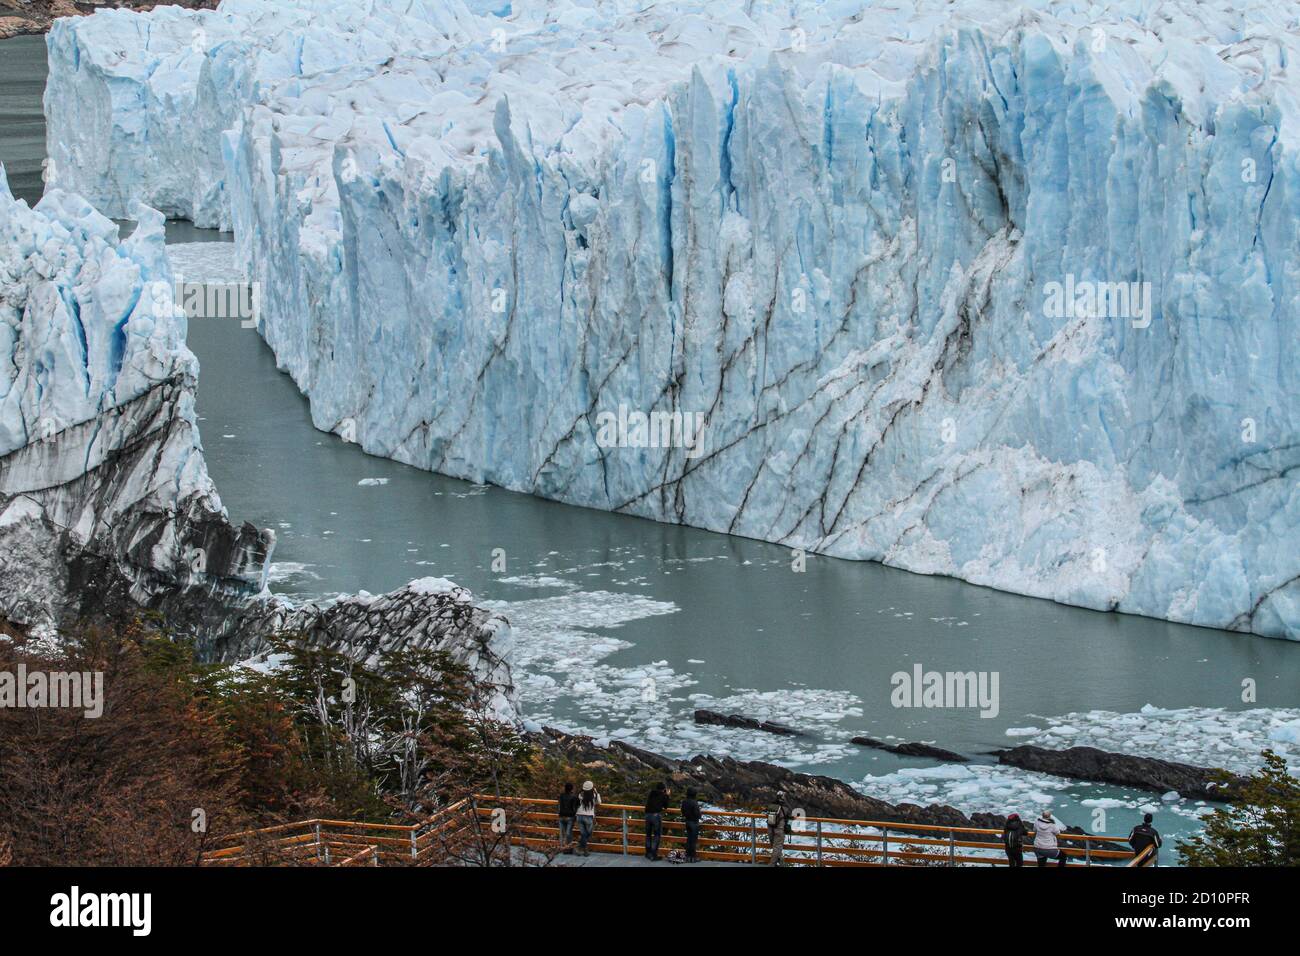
[741, 836]
[733, 836]
[340, 842]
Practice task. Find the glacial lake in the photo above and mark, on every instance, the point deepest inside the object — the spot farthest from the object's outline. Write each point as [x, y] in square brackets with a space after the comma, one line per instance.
[623, 626]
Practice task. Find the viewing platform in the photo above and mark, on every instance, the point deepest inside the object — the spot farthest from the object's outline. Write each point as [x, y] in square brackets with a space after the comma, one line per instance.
[490, 830]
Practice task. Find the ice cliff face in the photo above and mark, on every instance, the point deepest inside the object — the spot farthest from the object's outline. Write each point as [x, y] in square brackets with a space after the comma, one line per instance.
[105, 500]
[1003, 294]
[142, 101]
[106, 506]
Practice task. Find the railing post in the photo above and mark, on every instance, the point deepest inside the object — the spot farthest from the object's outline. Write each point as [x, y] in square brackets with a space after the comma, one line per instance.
[414, 851]
[624, 832]
[885, 845]
[1087, 853]
[952, 849]
[327, 856]
[317, 830]
[819, 843]
[753, 840]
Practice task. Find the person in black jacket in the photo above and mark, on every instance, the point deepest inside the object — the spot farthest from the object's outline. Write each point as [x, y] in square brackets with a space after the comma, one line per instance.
[691, 817]
[568, 811]
[1145, 835]
[1013, 839]
[655, 805]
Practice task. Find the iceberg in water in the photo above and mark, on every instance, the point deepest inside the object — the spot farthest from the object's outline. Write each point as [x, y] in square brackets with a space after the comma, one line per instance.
[1008, 294]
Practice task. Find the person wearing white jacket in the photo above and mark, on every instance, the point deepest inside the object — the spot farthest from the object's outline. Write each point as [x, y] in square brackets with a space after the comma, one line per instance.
[1046, 848]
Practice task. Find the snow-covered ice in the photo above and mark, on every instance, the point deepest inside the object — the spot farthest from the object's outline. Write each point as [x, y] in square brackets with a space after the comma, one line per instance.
[102, 478]
[841, 234]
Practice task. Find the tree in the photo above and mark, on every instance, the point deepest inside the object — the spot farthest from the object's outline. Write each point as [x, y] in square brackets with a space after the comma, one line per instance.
[1261, 827]
[140, 784]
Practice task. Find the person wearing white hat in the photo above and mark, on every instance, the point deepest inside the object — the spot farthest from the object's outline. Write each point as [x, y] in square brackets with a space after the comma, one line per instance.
[588, 802]
[1046, 848]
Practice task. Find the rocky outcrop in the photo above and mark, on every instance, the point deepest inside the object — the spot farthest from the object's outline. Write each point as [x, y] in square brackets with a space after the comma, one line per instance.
[117, 536]
[429, 613]
[716, 719]
[753, 783]
[1125, 770]
[909, 749]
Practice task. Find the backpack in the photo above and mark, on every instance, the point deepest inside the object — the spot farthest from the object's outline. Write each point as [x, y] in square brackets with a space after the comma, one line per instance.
[1013, 838]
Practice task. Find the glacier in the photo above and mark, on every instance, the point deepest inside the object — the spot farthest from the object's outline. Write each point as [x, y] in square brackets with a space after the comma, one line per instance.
[107, 509]
[1005, 293]
[105, 499]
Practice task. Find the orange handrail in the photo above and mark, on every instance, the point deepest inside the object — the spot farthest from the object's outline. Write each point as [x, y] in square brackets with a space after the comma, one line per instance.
[906, 838]
[732, 835]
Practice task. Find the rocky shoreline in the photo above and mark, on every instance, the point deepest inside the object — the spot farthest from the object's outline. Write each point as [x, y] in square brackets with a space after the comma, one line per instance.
[751, 782]
[754, 783]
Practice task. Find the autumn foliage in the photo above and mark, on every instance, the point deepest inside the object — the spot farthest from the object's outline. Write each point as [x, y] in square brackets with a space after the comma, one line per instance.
[185, 750]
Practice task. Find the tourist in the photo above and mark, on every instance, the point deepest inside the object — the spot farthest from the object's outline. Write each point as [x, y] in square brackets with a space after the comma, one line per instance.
[588, 802]
[778, 820]
[1013, 839]
[1145, 835]
[568, 809]
[1045, 846]
[655, 805]
[691, 817]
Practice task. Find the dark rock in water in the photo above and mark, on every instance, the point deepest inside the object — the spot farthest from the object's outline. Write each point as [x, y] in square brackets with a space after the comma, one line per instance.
[747, 723]
[1125, 770]
[152, 550]
[753, 783]
[911, 749]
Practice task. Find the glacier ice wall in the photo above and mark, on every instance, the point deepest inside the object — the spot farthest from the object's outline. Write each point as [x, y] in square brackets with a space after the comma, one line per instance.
[105, 500]
[862, 243]
[139, 103]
